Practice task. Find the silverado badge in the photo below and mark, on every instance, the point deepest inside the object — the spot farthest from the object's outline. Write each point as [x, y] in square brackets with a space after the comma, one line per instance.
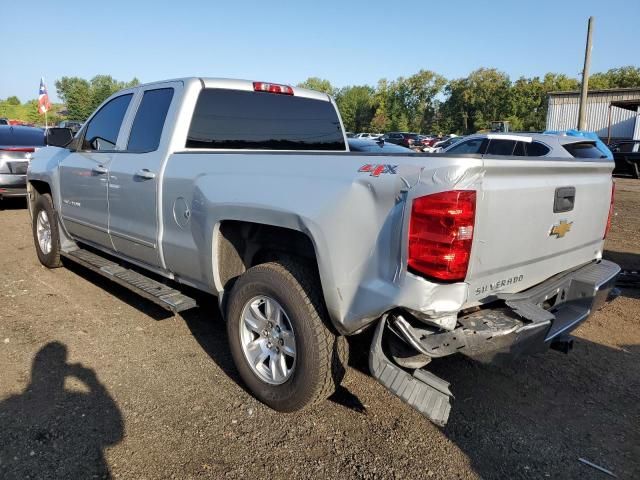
[561, 229]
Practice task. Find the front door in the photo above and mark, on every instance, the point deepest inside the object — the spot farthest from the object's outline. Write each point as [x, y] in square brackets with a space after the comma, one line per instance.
[84, 174]
[134, 178]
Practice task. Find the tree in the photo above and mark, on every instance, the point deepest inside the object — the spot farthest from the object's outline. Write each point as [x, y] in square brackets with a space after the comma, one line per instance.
[357, 107]
[623, 77]
[319, 84]
[13, 100]
[82, 97]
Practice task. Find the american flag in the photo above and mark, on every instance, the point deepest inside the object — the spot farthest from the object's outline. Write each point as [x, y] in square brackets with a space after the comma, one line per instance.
[43, 98]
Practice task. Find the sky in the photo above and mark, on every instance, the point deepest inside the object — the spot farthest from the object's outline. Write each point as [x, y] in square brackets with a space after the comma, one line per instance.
[346, 42]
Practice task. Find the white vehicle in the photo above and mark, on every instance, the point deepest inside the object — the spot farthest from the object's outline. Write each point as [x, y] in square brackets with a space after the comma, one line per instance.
[372, 136]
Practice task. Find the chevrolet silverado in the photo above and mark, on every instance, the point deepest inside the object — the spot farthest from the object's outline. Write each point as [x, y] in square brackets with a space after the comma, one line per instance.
[248, 191]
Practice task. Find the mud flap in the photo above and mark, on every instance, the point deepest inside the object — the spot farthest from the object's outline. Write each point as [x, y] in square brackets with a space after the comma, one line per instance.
[424, 391]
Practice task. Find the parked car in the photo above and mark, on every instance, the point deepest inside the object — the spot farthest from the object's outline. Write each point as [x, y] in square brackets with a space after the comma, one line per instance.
[74, 125]
[368, 135]
[405, 139]
[527, 145]
[17, 145]
[626, 155]
[442, 145]
[350, 134]
[373, 146]
[4, 121]
[247, 190]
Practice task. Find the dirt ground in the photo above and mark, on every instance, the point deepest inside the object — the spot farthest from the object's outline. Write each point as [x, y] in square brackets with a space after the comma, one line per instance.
[96, 382]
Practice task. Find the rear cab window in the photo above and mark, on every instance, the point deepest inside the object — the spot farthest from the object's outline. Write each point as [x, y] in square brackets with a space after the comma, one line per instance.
[22, 136]
[237, 119]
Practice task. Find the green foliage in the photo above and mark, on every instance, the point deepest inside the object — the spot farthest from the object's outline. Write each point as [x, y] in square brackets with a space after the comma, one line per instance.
[357, 107]
[82, 97]
[623, 77]
[424, 102]
[319, 84]
[28, 112]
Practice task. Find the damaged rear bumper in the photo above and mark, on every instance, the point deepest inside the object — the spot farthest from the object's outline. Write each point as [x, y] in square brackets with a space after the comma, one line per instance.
[522, 323]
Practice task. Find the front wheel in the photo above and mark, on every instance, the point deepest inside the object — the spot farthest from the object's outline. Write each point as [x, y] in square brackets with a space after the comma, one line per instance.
[45, 232]
[279, 339]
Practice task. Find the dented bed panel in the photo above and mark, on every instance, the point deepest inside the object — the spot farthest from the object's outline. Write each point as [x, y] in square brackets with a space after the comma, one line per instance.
[356, 221]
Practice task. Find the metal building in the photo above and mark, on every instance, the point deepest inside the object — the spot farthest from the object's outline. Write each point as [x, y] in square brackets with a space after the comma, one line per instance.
[614, 114]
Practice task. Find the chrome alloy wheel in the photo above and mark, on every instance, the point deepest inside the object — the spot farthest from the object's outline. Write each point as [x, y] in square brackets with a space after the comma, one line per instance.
[267, 340]
[43, 231]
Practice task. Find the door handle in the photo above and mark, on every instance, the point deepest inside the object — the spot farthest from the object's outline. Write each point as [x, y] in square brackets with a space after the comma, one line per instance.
[145, 173]
[100, 170]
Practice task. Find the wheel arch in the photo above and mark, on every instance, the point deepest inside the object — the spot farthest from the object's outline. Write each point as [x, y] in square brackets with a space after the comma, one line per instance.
[241, 244]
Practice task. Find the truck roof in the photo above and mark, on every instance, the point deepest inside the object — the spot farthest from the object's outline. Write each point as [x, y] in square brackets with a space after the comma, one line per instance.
[239, 84]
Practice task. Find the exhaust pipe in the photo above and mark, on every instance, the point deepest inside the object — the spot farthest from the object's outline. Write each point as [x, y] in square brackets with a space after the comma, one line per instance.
[562, 344]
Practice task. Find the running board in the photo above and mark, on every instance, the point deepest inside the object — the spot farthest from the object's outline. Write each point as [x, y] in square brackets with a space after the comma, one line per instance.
[423, 390]
[159, 293]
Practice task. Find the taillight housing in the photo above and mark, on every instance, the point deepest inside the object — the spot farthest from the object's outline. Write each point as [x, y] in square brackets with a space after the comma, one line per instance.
[441, 234]
[272, 88]
[613, 193]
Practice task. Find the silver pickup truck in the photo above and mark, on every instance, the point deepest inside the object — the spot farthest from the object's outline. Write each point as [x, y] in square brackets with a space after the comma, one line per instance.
[248, 191]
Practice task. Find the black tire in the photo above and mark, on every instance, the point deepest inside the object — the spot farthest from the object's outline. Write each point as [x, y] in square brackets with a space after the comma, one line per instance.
[52, 258]
[321, 356]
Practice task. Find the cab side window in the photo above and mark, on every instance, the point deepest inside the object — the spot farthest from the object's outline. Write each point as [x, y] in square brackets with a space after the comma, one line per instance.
[537, 149]
[102, 131]
[149, 122]
[501, 147]
[475, 145]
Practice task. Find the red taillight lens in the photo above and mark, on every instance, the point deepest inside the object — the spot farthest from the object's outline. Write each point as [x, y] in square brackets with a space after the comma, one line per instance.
[441, 234]
[18, 149]
[272, 88]
[613, 193]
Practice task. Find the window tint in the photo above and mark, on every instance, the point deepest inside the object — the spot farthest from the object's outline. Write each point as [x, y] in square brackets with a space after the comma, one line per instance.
[22, 136]
[584, 150]
[501, 147]
[537, 149]
[238, 119]
[519, 151]
[380, 147]
[102, 131]
[475, 145]
[149, 121]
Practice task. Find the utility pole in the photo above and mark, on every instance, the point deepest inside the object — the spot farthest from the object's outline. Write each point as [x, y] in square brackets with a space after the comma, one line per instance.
[582, 113]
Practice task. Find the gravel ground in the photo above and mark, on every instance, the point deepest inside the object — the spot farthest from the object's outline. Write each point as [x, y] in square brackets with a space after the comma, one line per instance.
[95, 382]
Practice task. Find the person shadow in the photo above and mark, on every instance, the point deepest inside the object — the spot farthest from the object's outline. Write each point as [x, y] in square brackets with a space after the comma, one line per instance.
[50, 431]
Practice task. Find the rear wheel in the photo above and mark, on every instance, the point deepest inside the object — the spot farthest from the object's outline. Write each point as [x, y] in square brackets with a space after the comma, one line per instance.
[45, 232]
[281, 344]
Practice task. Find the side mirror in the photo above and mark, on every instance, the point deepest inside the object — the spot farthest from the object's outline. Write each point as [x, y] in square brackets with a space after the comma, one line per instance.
[59, 137]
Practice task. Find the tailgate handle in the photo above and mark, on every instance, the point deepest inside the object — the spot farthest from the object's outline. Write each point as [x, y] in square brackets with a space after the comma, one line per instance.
[564, 200]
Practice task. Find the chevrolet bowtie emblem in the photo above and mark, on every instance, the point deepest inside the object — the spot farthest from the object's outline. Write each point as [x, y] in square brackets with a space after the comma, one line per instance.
[561, 229]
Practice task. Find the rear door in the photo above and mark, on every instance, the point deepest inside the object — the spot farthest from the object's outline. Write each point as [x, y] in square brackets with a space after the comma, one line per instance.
[84, 174]
[135, 173]
[536, 218]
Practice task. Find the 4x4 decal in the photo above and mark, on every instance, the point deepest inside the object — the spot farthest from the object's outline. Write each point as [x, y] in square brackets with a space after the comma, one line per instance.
[375, 170]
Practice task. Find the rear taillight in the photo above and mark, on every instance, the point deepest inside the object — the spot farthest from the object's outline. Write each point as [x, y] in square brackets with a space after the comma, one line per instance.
[272, 88]
[441, 234]
[613, 193]
[18, 149]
